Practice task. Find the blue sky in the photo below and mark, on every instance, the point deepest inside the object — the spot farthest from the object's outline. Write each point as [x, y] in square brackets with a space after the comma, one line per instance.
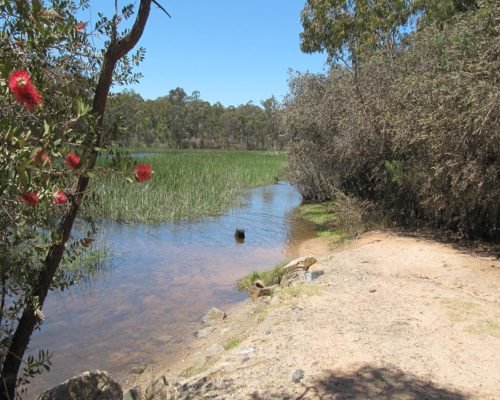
[230, 51]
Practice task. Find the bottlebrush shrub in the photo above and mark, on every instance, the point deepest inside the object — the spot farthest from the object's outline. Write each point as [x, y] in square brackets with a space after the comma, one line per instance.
[48, 141]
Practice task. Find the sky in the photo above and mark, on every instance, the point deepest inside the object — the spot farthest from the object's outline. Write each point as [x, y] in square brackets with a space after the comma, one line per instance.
[231, 51]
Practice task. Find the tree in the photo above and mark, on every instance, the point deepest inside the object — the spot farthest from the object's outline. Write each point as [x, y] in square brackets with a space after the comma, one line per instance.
[347, 28]
[60, 106]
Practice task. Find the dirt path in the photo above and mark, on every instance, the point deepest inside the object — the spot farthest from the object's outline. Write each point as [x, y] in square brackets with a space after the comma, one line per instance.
[391, 318]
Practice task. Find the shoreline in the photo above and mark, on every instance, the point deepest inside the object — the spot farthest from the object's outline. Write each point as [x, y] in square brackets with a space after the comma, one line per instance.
[239, 315]
[397, 316]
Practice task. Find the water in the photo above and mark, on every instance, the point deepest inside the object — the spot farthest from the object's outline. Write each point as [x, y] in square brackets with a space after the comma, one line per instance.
[162, 281]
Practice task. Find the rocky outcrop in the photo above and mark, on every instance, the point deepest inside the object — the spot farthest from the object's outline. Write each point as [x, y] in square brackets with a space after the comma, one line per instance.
[299, 263]
[91, 385]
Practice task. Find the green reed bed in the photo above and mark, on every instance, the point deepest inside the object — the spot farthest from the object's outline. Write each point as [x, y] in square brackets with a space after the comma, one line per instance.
[186, 184]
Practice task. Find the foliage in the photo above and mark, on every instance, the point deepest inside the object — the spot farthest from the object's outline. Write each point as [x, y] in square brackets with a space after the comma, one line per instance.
[347, 28]
[181, 121]
[416, 132]
[50, 74]
[188, 184]
[268, 277]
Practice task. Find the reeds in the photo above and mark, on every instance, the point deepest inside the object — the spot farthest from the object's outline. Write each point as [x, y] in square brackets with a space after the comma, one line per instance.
[186, 184]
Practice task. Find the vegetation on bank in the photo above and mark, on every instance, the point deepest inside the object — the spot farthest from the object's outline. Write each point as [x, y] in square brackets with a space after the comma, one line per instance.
[186, 184]
[410, 123]
[268, 278]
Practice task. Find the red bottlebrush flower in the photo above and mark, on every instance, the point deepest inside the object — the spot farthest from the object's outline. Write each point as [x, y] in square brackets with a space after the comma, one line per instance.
[81, 26]
[142, 172]
[59, 197]
[40, 158]
[30, 198]
[72, 160]
[23, 90]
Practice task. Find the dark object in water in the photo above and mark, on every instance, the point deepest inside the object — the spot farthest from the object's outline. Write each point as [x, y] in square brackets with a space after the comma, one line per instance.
[239, 235]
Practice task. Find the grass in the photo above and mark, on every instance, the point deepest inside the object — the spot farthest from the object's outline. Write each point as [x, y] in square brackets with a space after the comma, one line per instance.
[186, 184]
[269, 277]
[231, 344]
[473, 316]
[341, 219]
[321, 215]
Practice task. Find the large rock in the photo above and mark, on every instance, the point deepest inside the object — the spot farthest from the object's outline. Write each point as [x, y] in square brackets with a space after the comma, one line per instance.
[299, 263]
[91, 385]
[214, 316]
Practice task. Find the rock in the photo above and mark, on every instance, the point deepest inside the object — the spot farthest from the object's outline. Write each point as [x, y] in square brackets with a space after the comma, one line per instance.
[301, 262]
[214, 316]
[138, 369]
[132, 393]
[203, 333]
[297, 376]
[260, 292]
[258, 284]
[159, 389]
[312, 275]
[91, 385]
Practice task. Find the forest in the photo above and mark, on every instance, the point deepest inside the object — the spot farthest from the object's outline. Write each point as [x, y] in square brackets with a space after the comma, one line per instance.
[184, 121]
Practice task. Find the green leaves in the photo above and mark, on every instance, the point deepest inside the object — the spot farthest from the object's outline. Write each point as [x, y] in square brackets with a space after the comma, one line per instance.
[347, 28]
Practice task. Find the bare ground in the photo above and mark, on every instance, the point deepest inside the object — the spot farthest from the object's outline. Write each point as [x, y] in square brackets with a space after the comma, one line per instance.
[392, 317]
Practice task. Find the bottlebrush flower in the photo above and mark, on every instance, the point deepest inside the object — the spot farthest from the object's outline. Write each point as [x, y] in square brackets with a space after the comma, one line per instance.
[142, 172]
[59, 197]
[23, 90]
[40, 158]
[72, 160]
[30, 198]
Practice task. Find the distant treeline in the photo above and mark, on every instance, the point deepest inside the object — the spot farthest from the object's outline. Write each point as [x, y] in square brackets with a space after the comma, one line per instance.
[407, 121]
[181, 121]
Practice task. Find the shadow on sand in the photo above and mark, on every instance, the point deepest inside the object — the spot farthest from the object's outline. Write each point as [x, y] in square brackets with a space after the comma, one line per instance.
[369, 383]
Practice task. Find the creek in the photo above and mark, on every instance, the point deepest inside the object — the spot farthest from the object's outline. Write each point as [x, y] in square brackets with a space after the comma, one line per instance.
[160, 281]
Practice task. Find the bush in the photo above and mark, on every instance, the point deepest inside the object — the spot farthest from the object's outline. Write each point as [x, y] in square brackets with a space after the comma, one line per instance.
[415, 132]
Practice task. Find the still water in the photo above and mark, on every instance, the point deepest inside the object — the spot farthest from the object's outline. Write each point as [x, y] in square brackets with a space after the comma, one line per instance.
[161, 281]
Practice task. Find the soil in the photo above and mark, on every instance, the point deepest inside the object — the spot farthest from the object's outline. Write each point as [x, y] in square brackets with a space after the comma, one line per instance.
[392, 317]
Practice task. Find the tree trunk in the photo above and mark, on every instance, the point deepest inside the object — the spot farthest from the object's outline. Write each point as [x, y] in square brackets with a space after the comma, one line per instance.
[29, 320]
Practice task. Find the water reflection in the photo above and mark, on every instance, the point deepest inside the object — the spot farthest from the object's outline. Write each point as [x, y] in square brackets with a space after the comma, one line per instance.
[163, 280]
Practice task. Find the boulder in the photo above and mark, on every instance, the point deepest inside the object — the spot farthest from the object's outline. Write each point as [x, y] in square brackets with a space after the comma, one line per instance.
[299, 263]
[91, 385]
[214, 316]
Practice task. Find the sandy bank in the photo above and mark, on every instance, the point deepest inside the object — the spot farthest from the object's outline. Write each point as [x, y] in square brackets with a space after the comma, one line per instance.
[392, 317]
